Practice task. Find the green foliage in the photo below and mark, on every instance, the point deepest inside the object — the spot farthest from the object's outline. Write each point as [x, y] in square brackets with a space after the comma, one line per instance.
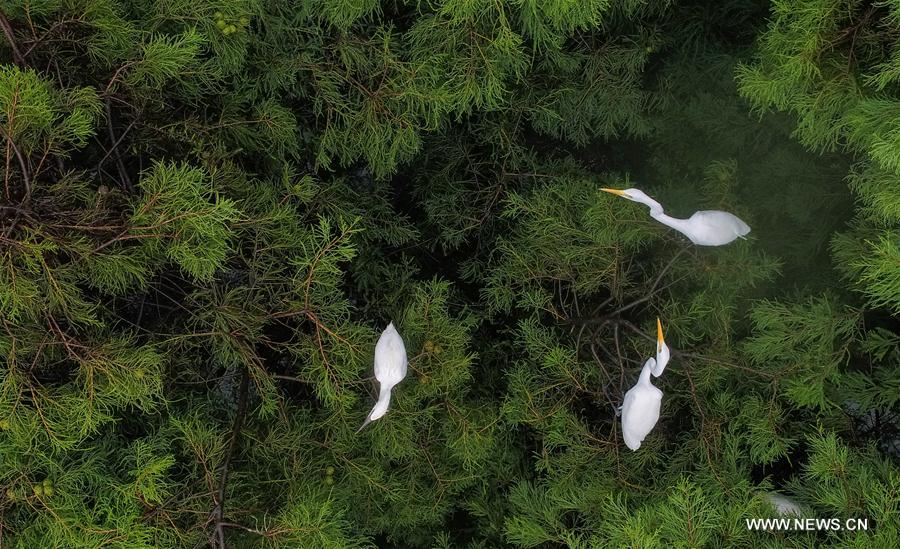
[574, 236]
[163, 58]
[42, 120]
[210, 211]
[811, 339]
[180, 217]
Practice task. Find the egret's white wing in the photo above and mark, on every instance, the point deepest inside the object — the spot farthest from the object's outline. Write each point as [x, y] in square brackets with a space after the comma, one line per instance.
[628, 401]
[715, 228]
[390, 369]
[390, 357]
[640, 412]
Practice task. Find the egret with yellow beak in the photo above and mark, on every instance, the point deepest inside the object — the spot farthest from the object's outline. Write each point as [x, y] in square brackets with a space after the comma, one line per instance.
[704, 228]
[662, 351]
[390, 369]
[640, 409]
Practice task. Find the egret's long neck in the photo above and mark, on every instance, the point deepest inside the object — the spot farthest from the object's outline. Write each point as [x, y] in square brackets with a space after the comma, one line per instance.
[384, 400]
[655, 207]
[677, 224]
[656, 212]
[645, 373]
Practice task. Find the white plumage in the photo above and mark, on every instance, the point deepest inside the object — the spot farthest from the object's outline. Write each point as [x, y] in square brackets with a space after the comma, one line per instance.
[390, 369]
[783, 504]
[704, 228]
[640, 409]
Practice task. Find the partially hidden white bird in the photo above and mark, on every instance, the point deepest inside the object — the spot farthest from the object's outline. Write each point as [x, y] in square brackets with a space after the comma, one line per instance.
[390, 369]
[662, 351]
[640, 409]
[704, 228]
[784, 505]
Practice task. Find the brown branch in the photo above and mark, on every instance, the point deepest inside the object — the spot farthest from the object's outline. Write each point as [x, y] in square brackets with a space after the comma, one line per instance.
[654, 288]
[39, 39]
[675, 353]
[7, 30]
[114, 150]
[116, 144]
[288, 378]
[246, 529]
[219, 510]
[14, 209]
[12, 226]
[723, 363]
[619, 355]
[26, 177]
[122, 236]
[608, 377]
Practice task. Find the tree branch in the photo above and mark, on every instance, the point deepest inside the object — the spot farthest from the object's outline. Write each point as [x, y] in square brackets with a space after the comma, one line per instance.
[219, 510]
[649, 295]
[26, 177]
[116, 144]
[126, 181]
[685, 354]
[7, 30]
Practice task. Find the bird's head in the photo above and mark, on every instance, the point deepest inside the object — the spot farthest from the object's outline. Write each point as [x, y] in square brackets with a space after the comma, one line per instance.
[662, 351]
[636, 195]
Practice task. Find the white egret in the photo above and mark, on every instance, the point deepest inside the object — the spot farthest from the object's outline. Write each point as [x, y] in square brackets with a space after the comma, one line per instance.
[390, 369]
[640, 409]
[783, 504]
[662, 351]
[704, 228]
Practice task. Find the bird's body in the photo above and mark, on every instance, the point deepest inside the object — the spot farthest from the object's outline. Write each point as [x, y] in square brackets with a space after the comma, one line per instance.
[640, 408]
[704, 228]
[390, 369]
[709, 227]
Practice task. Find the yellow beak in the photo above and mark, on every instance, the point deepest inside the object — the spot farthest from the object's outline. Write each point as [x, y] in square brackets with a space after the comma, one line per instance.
[659, 335]
[616, 192]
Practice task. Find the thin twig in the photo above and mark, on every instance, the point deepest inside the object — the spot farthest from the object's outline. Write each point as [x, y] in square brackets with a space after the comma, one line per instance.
[26, 177]
[245, 528]
[116, 144]
[647, 297]
[14, 209]
[723, 363]
[219, 511]
[289, 378]
[608, 377]
[39, 39]
[696, 356]
[619, 354]
[12, 226]
[112, 135]
[7, 30]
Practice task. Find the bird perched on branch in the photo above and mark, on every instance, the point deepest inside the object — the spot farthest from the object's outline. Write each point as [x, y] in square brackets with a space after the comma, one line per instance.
[704, 228]
[640, 408]
[390, 369]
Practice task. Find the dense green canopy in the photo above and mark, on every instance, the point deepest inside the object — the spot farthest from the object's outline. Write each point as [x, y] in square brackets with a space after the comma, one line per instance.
[211, 209]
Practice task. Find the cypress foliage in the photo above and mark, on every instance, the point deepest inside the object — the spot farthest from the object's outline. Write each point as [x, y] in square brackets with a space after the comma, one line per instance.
[211, 209]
